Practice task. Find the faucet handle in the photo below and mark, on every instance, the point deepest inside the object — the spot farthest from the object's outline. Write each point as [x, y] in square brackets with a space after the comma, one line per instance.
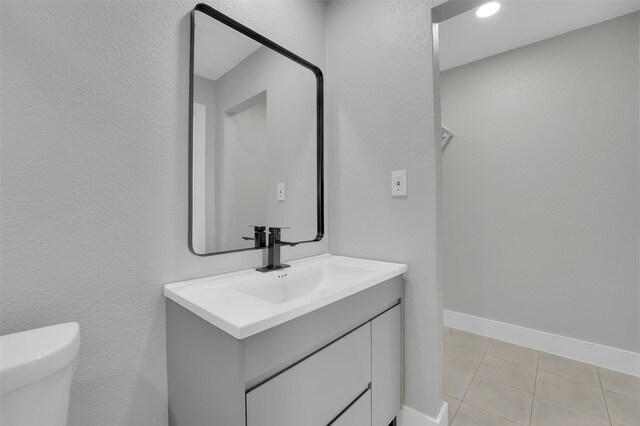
[259, 236]
[275, 231]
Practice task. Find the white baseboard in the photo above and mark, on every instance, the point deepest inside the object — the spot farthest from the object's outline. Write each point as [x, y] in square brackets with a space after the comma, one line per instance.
[410, 417]
[603, 356]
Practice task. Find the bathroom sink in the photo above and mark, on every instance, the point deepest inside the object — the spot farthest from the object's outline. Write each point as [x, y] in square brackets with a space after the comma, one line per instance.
[248, 302]
[291, 284]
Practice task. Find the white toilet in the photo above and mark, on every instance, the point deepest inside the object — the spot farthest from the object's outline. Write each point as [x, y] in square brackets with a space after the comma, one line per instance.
[35, 375]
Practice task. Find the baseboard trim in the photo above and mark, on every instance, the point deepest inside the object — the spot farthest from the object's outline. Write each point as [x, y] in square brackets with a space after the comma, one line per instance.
[410, 417]
[603, 356]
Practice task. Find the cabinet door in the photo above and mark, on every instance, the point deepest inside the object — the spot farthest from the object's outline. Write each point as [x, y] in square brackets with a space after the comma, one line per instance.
[317, 389]
[359, 414]
[386, 366]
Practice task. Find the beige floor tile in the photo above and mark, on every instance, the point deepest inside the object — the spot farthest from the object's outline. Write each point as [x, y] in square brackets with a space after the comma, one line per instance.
[620, 382]
[549, 413]
[508, 373]
[454, 404]
[500, 400]
[514, 353]
[568, 368]
[461, 358]
[469, 415]
[569, 392]
[456, 382]
[623, 409]
[468, 340]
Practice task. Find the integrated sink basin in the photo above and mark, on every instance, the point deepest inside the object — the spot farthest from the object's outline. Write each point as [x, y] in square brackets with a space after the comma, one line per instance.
[301, 281]
[247, 302]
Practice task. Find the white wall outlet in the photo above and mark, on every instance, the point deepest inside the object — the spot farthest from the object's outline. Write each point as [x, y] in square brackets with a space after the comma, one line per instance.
[399, 183]
[281, 192]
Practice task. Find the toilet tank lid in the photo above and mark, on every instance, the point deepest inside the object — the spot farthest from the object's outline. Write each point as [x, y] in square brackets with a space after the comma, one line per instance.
[32, 355]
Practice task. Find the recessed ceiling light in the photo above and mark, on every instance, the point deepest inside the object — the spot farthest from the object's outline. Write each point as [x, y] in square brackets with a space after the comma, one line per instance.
[488, 9]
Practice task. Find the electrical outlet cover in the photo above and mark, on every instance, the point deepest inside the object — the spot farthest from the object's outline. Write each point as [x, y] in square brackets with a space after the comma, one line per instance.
[399, 183]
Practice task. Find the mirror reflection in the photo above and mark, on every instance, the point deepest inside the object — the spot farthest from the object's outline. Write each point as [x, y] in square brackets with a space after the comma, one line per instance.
[254, 141]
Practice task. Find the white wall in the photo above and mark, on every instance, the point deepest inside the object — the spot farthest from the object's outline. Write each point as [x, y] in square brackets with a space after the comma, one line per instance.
[380, 112]
[542, 186]
[94, 130]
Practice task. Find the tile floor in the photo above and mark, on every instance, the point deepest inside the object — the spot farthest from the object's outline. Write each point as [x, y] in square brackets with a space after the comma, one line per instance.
[492, 383]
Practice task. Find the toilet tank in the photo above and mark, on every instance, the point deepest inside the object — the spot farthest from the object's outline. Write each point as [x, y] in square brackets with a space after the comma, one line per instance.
[35, 375]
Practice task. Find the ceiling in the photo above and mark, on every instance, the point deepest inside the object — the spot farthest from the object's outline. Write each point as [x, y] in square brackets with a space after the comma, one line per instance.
[218, 48]
[466, 38]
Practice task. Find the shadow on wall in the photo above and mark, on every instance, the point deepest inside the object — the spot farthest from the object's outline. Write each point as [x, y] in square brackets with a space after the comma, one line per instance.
[148, 394]
[141, 396]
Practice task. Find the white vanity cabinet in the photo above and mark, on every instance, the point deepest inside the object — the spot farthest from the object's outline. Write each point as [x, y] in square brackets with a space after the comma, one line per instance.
[358, 413]
[316, 390]
[339, 365]
[386, 366]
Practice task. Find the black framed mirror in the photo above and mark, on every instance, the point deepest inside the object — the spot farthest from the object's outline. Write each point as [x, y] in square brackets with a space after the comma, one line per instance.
[256, 139]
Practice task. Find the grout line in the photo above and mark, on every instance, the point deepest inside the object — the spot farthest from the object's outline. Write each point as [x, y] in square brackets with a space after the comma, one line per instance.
[444, 364]
[534, 388]
[619, 394]
[477, 369]
[463, 347]
[516, 364]
[491, 341]
[606, 404]
[505, 385]
[567, 379]
[510, 360]
[489, 379]
[571, 378]
[474, 374]
[571, 407]
[535, 382]
[456, 413]
[489, 412]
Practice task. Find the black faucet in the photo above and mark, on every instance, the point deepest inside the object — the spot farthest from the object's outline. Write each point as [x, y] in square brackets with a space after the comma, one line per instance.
[273, 255]
[259, 236]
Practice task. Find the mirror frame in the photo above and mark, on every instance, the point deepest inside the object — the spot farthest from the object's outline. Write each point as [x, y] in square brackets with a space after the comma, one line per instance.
[213, 13]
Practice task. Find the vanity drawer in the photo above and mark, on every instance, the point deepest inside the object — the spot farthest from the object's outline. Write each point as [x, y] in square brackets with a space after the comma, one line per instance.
[359, 414]
[316, 390]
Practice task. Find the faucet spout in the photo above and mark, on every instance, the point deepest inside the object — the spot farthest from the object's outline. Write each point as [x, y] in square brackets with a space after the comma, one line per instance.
[273, 255]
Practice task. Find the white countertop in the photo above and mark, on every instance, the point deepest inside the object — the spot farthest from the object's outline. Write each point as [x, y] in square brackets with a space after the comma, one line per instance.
[247, 302]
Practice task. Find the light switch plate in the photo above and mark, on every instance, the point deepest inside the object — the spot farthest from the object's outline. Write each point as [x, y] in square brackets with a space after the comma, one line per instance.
[399, 183]
[281, 192]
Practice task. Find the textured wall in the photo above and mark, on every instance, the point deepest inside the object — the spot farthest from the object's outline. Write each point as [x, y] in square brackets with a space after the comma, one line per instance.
[94, 130]
[380, 108]
[541, 185]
